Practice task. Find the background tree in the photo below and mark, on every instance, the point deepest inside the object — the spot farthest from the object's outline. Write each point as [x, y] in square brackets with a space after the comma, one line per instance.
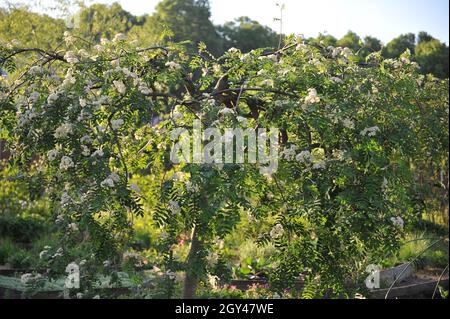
[432, 57]
[371, 44]
[399, 45]
[324, 39]
[246, 34]
[187, 20]
[424, 37]
[29, 28]
[101, 20]
[350, 40]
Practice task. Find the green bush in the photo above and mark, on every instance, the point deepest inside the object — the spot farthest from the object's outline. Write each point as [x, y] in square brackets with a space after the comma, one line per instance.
[21, 230]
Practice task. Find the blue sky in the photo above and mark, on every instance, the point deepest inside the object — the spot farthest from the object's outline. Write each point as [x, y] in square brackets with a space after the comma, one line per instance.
[384, 19]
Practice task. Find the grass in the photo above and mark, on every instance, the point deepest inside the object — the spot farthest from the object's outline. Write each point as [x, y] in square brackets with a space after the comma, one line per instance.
[418, 244]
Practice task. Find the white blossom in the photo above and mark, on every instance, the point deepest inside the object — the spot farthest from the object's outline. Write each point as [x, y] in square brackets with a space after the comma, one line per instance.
[277, 231]
[290, 153]
[86, 140]
[384, 185]
[174, 207]
[59, 219]
[63, 131]
[85, 151]
[99, 48]
[65, 199]
[72, 227]
[348, 123]
[70, 57]
[107, 183]
[370, 131]
[52, 155]
[267, 82]
[319, 165]
[98, 153]
[119, 37]
[82, 102]
[173, 65]
[66, 163]
[226, 111]
[312, 97]
[52, 98]
[120, 87]
[144, 89]
[116, 124]
[43, 254]
[304, 157]
[115, 177]
[398, 222]
[336, 79]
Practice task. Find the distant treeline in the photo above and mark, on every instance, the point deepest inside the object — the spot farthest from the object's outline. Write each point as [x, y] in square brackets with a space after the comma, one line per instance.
[190, 20]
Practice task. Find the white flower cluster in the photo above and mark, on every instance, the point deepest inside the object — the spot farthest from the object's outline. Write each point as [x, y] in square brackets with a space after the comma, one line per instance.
[398, 222]
[336, 79]
[348, 123]
[66, 163]
[110, 181]
[267, 83]
[339, 155]
[290, 153]
[68, 38]
[304, 157]
[226, 111]
[63, 131]
[86, 140]
[65, 199]
[370, 131]
[119, 37]
[72, 227]
[312, 97]
[98, 153]
[69, 79]
[52, 98]
[120, 86]
[321, 164]
[173, 65]
[71, 57]
[44, 253]
[277, 231]
[344, 52]
[25, 118]
[58, 253]
[174, 207]
[191, 187]
[116, 124]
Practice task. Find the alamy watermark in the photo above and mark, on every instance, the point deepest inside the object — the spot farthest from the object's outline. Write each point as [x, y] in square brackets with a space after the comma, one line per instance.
[228, 146]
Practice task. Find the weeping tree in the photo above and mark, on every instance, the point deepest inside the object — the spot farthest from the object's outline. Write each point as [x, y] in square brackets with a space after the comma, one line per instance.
[344, 187]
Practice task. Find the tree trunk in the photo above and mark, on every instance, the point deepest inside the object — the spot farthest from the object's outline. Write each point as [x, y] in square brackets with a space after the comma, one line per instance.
[192, 277]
